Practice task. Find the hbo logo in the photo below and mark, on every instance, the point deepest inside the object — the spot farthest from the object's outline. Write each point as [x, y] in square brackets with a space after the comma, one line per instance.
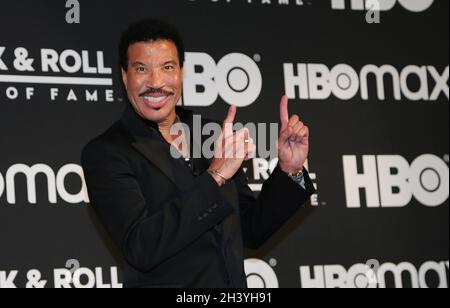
[236, 78]
[260, 275]
[390, 181]
[384, 5]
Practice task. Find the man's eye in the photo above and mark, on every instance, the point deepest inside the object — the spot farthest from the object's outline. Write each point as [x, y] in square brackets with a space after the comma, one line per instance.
[169, 67]
[140, 69]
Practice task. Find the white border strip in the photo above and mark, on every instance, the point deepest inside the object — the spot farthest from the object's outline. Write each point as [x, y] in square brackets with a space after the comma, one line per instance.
[57, 80]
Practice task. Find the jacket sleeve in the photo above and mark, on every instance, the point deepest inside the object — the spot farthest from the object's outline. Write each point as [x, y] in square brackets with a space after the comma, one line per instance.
[146, 239]
[278, 200]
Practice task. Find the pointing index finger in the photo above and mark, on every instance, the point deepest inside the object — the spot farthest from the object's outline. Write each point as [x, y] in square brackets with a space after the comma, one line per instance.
[229, 120]
[284, 113]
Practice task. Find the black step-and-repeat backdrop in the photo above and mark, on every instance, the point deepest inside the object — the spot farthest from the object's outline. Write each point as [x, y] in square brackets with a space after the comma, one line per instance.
[371, 84]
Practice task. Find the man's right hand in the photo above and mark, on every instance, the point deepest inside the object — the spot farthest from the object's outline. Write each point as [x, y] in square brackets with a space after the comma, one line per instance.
[231, 149]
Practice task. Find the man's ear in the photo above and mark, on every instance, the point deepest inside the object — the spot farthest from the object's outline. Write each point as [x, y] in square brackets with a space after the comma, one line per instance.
[124, 78]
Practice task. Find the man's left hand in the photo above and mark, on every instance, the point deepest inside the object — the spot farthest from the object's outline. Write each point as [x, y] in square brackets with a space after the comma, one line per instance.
[293, 142]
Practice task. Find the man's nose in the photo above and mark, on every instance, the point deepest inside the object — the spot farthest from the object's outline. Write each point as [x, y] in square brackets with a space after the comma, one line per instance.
[154, 80]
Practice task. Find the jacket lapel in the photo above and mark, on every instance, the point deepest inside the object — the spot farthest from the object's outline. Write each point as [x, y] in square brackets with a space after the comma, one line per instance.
[159, 154]
[149, 142]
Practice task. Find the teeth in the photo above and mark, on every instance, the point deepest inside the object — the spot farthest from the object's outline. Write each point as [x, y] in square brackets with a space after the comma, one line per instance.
[155, 99]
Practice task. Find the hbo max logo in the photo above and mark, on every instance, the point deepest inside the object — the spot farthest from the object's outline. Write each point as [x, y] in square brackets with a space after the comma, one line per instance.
[236, 78]
[55, 183]
[384, 5]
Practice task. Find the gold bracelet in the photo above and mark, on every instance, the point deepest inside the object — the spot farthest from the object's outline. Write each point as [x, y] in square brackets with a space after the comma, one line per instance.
[220, 175]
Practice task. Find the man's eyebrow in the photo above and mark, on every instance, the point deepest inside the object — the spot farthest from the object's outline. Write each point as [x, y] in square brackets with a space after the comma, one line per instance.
[137, 63]
[173, 62]
[170, 62]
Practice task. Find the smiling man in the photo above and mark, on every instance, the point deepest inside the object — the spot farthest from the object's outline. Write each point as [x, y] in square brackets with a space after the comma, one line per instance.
[184, 222]
[153, 80]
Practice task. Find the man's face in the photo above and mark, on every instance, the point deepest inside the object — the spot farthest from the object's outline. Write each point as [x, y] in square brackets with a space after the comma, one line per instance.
[153, 79]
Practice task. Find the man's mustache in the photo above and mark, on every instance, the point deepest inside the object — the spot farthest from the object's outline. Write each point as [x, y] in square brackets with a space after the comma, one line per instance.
[157, 91]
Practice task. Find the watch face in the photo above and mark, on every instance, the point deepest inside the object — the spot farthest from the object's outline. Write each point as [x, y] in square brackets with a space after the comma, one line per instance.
[296, 175]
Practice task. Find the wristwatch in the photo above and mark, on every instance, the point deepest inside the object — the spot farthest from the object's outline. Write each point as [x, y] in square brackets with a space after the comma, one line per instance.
[295, 174]
[298, 178]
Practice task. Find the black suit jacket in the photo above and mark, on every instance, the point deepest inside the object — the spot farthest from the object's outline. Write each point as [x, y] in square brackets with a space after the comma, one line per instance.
[173, 224]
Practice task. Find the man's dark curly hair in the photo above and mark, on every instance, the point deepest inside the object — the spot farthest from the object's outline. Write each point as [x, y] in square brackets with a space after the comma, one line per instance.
[149, 30]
